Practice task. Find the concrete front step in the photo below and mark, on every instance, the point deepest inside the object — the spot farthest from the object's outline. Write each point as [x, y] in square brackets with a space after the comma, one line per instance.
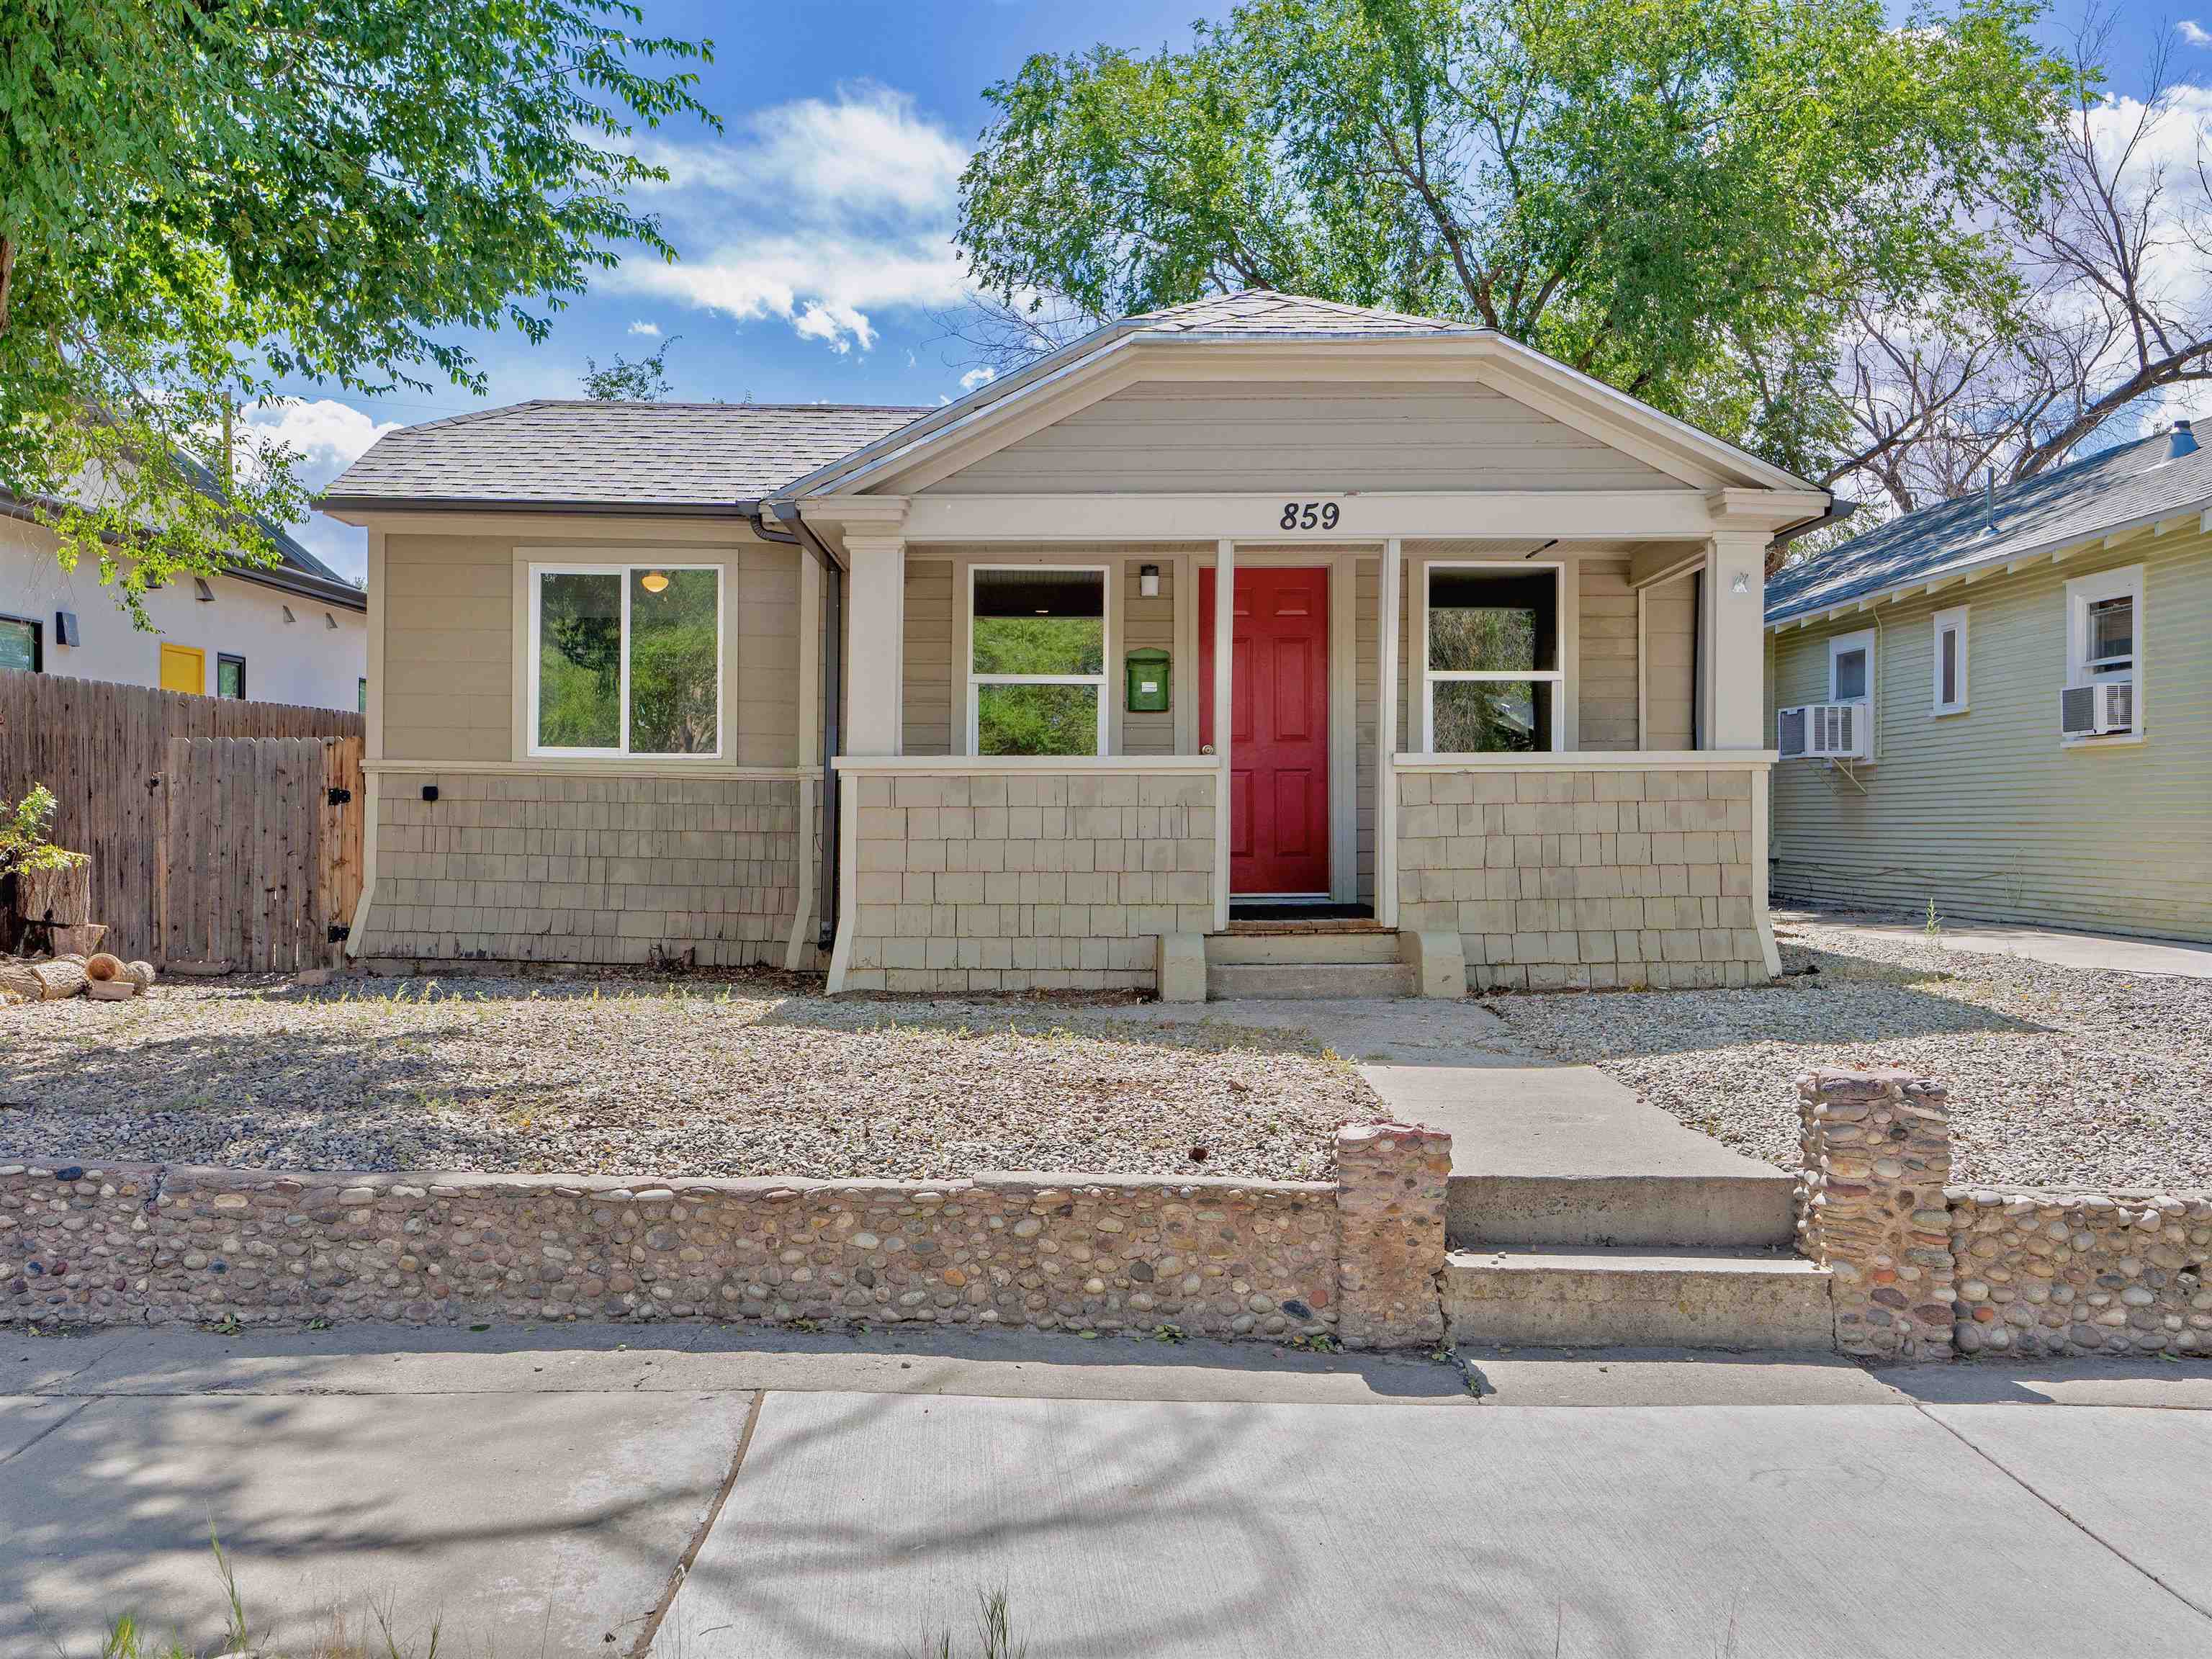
[1308, 949]
[1751, 1211]
[1587, 1299]
[1307, 981]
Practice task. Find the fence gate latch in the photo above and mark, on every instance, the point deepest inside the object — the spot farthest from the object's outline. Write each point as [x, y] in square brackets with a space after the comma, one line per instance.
[340, 797]
[338, 933]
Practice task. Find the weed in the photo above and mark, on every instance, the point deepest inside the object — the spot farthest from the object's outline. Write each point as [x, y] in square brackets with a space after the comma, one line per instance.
[809, 1325]
[226, 1326]
[1169, 1334]
[319, 1323]
[1317, 1342]
[994, 1631]
[1934, 926]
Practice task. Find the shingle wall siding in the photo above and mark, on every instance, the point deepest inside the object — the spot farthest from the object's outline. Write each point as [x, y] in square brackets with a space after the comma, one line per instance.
[1986, 813]
[584, 869]
[1011, 881]
[1597, 879]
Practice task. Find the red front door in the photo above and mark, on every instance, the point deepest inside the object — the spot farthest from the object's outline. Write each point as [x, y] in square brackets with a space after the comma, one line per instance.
[1279, 727]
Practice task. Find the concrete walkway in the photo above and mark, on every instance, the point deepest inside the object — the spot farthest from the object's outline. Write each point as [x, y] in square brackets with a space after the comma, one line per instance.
[717, 1490]
[2057, 946]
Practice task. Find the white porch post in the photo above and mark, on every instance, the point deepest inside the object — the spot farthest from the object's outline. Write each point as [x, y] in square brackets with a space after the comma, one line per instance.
[1732, 630]
[1386, 741]
[1225, 636]
[875, 635]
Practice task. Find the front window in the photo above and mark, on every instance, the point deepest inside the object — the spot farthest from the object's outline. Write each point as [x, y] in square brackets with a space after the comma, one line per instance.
[1036, 660]
[1490, 676]
[626, 660]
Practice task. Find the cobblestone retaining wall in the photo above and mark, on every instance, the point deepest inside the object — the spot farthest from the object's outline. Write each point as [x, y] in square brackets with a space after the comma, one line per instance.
[1876, 1151]
[584, 869]
[1015, 881]
[105, 1244]
[2045, 1271]
[1589, 880]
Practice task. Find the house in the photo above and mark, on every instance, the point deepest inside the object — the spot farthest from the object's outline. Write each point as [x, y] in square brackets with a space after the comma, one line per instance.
[2002, 706]
[1487, 698]
[294, 632]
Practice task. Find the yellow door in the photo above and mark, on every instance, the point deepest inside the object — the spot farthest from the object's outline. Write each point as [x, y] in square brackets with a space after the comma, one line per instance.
[183, 668]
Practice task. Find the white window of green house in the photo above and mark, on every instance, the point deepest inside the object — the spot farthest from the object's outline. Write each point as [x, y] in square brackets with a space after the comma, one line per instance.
[626, 660]
[2104, 631]
[1948, 691]
[1851, 667]
[1037, 651]
[1491, 682]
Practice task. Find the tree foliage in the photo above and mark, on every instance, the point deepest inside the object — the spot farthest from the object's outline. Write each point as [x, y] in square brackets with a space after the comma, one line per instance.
[1687, 199]
[624, 382]
[200, 199]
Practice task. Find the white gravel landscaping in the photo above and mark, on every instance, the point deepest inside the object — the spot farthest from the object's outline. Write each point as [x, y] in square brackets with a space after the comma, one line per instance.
[2058, 1076]
[635, 1076]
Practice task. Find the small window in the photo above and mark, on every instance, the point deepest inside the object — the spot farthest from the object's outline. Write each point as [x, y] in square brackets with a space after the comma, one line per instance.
[230, 677]
[1851, 667]
[1949, 688]
[1036, 660]
[2104, 634]
[626, 660]
[1491, 673]
[21, 645]
[360, 692]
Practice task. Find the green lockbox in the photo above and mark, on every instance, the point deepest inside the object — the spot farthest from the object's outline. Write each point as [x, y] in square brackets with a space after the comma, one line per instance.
[1147, 672]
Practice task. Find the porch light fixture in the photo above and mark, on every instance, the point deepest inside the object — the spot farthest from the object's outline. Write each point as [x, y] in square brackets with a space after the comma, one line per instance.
[202, 592]
[1148, 580]
[1742, 583]
[654, 581]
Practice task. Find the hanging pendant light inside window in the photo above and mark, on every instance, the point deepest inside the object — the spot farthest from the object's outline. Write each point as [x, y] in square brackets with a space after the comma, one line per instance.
[654, 581]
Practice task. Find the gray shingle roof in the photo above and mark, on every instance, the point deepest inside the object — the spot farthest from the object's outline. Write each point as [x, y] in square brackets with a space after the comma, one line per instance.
[2135, 483]
[584, 451]
[1263, 310]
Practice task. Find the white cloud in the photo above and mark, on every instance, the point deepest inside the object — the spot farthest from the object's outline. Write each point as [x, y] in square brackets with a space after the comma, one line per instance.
[2194, 32]
[981, 374]
[651, 330]
[328, 437]
[848, 209]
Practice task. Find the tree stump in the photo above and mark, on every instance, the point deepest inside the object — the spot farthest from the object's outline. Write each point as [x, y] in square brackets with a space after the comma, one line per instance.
[62, 897]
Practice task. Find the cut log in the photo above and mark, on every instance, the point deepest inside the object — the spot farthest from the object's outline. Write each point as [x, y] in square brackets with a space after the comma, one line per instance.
[102, 966]
[141, 973]
[111, 990]
[60, 979]
[16, 979]
[80, 940]
[62, 896]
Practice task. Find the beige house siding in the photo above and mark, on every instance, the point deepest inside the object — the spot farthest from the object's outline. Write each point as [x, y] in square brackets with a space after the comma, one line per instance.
[1589, 880]
[597, 869]
[454, 607]
[1670, 660]
[1026, 880]
[927, 660]
[1986, 813]
[1165, 438]
[1605, 689]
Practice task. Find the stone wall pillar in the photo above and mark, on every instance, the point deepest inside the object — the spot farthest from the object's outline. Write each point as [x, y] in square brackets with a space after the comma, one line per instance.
[1871, 1208]
[1390, 1185]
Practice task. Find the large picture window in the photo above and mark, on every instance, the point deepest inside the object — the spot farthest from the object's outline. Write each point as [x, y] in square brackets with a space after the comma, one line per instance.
[1490, 674]
[626, 660]
[1037, 652]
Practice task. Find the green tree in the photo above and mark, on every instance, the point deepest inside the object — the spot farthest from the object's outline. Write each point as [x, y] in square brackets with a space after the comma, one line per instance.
[1686, 198]
[200, 199]
[624, 382]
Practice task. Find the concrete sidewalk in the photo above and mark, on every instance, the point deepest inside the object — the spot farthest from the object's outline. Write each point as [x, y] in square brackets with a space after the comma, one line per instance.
[2058, 946]
[754, 1493]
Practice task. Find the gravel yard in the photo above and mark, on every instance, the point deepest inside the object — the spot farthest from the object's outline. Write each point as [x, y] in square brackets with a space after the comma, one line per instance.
[2058, 1076]
[619, 1077]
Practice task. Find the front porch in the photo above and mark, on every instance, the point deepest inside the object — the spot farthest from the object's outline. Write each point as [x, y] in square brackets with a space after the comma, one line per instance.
[1533, 762]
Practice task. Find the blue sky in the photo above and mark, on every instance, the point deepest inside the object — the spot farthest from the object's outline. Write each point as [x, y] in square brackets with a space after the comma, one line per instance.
[815, 229]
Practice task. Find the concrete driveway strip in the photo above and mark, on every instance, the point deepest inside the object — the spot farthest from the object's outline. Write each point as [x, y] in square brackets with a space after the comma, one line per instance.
[1117, 1529]
[524, 1523]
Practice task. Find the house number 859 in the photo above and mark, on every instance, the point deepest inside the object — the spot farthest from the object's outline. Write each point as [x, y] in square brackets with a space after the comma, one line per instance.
[1308, 515]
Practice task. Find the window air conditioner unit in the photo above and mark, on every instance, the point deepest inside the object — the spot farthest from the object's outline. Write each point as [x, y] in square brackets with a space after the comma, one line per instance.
[2097, 710]
[1823, 731]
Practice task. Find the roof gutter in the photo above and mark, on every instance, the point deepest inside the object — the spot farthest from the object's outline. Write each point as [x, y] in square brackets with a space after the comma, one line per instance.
[1839, 510]
[833, 679]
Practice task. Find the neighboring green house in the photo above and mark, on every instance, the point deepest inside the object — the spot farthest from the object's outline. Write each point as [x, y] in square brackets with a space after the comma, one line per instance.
[2003, 705]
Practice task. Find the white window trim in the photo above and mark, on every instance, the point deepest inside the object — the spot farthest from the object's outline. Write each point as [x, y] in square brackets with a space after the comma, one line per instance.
[1555, 678]
[1862, 640]
[2081, 593]
[1105, 572]
[1951, 621]
[590, 567]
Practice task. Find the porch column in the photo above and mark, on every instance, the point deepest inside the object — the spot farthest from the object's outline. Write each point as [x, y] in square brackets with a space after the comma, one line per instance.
[1732, 641]
[875, 635]
[1386, 738]
[1225, 636]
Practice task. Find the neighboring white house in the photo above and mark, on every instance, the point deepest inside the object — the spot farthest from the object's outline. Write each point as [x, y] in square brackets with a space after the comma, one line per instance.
[294, 633]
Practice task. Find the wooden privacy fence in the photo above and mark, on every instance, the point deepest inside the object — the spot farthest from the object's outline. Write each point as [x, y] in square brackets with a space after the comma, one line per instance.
[104, 750]
[261, 858]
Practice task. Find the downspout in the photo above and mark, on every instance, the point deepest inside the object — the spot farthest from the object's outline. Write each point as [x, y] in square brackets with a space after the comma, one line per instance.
[833, 677]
